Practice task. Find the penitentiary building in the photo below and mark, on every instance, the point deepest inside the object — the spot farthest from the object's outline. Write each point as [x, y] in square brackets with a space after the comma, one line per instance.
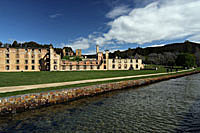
[46, 59]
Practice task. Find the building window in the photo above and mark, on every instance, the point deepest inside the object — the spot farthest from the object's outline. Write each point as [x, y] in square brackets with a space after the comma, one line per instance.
[64, 67]
[26, 50]
[131, 61]
[125, 61]
[113, 61]
[77, 67]
[98, 67]
[55, 67]
[32, 50]
[32, 56]
[91, 67]
[17, 55]
[85, 66]
[7, 50]
[119, 66]
[40, 50]
[7, 55]
[55, 61]
[17, 67]
[33, 61]
[70, 67]
[136, 61]
[113, 66]
[125, 66]
[33, 67]
[26, 67]
[7, 67]
[17, 61]
[26, 61]
[137, 66]
[7, 61]
[104, 61]
[104, 66]
[131, 67]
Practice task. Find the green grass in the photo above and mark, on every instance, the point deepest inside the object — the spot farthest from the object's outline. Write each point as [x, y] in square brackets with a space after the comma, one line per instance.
[31, 78]
[76, 85]
[63, 87]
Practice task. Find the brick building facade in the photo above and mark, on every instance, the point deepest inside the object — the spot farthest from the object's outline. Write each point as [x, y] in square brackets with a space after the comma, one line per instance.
[46, 59]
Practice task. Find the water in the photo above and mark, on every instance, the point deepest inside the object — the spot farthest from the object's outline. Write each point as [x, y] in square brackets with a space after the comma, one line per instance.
[168, 106]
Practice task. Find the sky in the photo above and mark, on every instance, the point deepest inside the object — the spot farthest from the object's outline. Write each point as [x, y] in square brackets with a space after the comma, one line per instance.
[112, 24]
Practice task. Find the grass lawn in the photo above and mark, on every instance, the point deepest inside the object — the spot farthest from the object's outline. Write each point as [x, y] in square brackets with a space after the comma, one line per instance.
[73, 86]
[31, 78]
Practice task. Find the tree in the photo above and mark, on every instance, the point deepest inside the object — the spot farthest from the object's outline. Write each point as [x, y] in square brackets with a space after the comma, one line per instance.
[186, 60]
[15, 44]
[1, 44]
[117, 53]
[197, 55]
[169, 58]
[129, 52]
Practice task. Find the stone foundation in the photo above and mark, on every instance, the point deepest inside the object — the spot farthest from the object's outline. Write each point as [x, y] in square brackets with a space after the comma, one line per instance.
[21, 103]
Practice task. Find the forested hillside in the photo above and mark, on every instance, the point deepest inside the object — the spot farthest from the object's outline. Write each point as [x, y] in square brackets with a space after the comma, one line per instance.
[165, 55]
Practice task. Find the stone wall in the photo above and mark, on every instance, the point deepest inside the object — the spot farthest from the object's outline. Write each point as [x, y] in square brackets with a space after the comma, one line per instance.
[21, 103]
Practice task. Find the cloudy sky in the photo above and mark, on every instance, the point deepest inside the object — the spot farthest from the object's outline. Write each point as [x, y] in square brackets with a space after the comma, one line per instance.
[112, 24]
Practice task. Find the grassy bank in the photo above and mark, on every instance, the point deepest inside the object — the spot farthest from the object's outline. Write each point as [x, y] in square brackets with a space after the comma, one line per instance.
[77, 85]
[32, 78]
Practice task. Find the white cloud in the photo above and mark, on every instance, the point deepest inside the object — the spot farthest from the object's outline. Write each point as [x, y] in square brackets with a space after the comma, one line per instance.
[159, 45]
[118, 11]
[169, 20]
[158, 21]
[81, 43]
[195, 38]
[55, 15]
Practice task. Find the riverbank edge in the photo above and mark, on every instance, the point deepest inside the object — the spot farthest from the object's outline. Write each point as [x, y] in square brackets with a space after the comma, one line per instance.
[16, 104]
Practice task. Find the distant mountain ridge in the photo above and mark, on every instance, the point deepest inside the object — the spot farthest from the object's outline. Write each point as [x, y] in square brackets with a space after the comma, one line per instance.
[162, 55]
[185, 47]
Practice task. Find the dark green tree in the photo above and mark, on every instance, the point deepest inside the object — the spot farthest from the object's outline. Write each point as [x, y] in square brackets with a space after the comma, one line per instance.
[197, 55]
[1, 44]
[15, 44]
[186, 60]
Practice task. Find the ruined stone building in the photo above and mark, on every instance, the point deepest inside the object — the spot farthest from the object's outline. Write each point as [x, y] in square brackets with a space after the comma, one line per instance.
[46, 59]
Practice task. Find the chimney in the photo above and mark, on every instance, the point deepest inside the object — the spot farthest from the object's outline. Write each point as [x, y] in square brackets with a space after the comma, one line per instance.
[107, 54]
[64, 52]
[97, 49]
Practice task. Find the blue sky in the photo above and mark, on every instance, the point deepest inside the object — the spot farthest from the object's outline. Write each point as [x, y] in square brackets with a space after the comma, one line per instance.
[112, 24]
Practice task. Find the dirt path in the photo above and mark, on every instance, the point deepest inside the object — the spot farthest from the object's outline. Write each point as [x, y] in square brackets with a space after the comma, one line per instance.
[29, 87]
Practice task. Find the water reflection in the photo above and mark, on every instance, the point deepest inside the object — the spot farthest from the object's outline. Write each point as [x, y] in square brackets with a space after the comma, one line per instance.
[169, 106]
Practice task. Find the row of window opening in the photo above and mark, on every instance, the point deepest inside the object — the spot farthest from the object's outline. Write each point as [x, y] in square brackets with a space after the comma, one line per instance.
[18, 67]
[26, 61]
[26, 56]
[125, 61]
[26, 50]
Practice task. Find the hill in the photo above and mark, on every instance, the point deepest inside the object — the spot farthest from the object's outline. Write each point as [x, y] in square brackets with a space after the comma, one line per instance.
[164, 55]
